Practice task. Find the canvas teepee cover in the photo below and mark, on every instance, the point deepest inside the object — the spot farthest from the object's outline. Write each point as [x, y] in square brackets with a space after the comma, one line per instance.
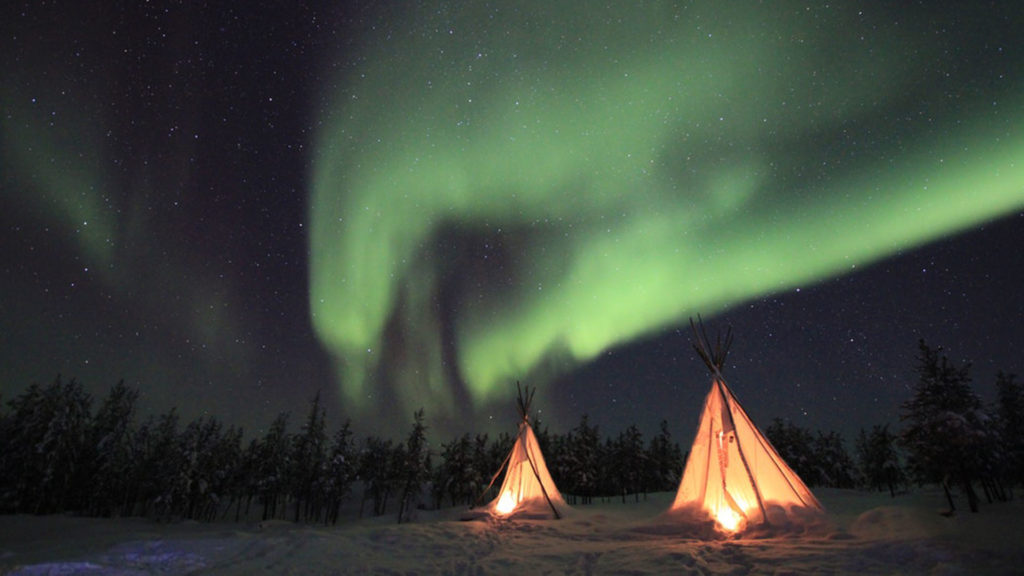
[528, 487]
[733, 474]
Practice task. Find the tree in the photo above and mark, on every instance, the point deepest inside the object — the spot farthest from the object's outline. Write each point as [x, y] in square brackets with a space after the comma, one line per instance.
[879, 460]
[24, 429]
[249, 483]
[342, 469]
[487, 460]
[415, 469]
[582, 457]
[665, 460]
[833, 461]
[272, 463]
[455, 475]
[629, 462]
[224, 469]
[796, 447]
[202, 445]
[308, 455]
[64, 419]
[109, 452]
[1010, 413]
[944, 432]
[375, 470]
[158, 460]
[7, 470]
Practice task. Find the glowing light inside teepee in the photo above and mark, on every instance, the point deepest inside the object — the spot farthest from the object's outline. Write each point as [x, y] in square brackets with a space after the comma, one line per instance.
[506, 504]
[728, 519]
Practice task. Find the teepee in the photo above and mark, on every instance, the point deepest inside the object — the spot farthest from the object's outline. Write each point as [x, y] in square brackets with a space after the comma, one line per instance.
[733, 475]
[528, 487]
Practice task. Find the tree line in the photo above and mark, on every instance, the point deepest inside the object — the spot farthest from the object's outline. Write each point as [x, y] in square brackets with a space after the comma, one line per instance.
[948, 437]
[58, 454]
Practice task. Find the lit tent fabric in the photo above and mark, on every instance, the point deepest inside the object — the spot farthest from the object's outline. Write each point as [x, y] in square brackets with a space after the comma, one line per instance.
[528, 488]
[734, 477]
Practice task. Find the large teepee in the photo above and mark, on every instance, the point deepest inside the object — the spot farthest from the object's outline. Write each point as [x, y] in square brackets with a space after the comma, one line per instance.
[733, 475]
[528, 487]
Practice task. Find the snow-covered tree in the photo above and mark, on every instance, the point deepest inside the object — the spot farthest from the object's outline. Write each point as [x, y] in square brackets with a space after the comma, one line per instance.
[247, 486]
[223, 469]
[665, 460]
[796, 447]
[375, 471]
[879, 460]
[341, 470]
[819, 459]
[110, 453]
[490, 456]
[487, 459]
[7, 473]
[159, 460]
[24, 428]
[200, 446]
[64, 418]
[307, 462]
[628, 463]
[944, 426]
[415, 469]
[582, 455]
[454, 476]
[1010, 412]
[835, 467]
[271, 465]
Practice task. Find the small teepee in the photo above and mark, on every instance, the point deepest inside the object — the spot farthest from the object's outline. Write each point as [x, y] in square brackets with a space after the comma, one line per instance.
[528, 487]
[734, 476]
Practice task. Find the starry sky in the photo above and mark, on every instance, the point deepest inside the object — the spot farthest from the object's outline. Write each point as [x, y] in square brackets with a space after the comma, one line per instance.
[235, 206]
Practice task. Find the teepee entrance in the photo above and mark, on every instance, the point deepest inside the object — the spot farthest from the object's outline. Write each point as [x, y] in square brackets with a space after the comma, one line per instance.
[733, 475]
[528, 487]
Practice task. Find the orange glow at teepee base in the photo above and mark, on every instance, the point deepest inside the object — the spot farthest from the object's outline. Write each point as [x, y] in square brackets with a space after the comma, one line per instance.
[506, 504]
[727, 519]
[726, 511]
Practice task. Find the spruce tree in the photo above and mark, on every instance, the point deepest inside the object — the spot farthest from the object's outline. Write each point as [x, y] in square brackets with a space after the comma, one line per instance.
[67, 418]
[943, 426]
[583, 452]
[630, 463]
[879, 460]
[796, 447]
[834, 462]
[159, 463]
[341, 471]
[309, 453]
[1010, 413]
[416, 468]
[375, 471]
[109, 452]
[272, 464]
[666, 460]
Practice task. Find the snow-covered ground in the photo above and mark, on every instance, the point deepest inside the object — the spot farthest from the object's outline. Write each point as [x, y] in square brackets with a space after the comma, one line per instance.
[865, 534]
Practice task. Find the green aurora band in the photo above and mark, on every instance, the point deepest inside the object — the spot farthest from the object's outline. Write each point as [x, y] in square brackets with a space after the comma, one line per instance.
[637, 167]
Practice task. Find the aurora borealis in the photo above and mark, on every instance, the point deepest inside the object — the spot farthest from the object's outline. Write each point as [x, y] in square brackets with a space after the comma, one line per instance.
[647, 165]
[416, 206]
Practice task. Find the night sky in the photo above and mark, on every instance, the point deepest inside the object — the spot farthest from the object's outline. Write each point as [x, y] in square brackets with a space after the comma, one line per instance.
[233, 206]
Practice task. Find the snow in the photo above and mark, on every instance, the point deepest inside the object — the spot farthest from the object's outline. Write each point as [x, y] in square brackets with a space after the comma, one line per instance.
[865, 533]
